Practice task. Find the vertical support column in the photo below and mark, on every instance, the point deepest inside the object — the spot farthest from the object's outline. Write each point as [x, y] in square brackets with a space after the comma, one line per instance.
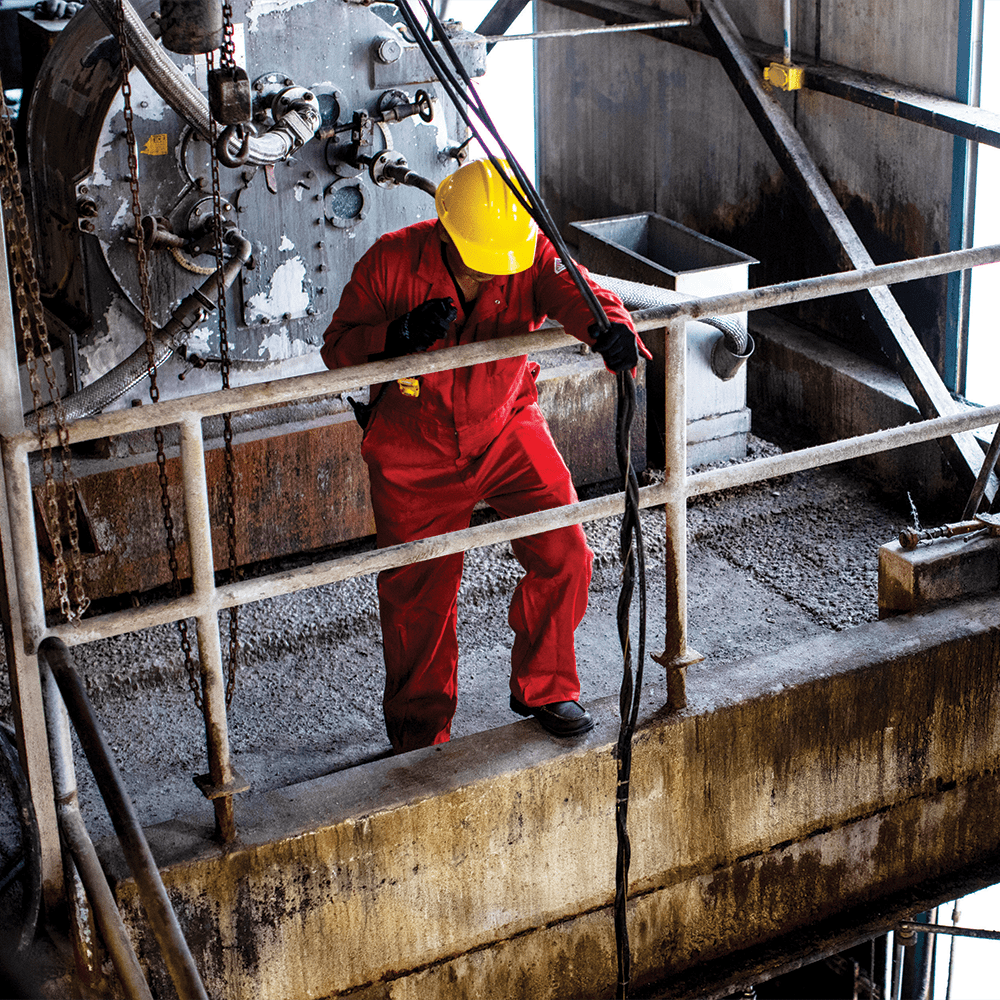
[222, 781]
[20, 640]
[677, 656]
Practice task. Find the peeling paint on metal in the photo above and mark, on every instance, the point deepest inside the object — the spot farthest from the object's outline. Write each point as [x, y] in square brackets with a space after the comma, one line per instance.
[279, 346]
[286, 293]
[264, 8]
[286, 244]
[104, 351]
[197, 339]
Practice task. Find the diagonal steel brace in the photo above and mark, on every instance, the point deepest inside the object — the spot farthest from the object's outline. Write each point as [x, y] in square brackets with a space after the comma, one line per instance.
[501, 16]
[895, 335]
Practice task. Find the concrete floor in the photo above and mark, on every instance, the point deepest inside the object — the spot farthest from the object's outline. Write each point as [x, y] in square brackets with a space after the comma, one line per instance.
[769, 566]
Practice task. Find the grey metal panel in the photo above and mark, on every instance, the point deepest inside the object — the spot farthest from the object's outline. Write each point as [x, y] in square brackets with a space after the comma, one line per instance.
[309, 219]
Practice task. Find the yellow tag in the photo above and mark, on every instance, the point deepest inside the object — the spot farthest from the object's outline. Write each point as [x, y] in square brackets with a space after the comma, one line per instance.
[409, 386]
[156, 145]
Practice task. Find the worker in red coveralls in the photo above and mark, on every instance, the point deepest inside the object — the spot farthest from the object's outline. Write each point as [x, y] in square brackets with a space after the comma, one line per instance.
[437, 445]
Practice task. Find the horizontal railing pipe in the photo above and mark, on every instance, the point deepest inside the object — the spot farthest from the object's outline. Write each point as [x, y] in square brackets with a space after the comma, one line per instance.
[299, 387]
[364, 563]
[340, 380]
[607, 29]
[844, 450]
[790, 292]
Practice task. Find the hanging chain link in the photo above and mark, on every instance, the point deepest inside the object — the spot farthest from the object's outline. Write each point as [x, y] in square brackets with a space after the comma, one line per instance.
[226, 52]
[27, 297]
[194, 679]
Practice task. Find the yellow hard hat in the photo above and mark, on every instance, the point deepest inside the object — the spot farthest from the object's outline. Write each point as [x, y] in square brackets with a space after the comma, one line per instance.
[490, 228]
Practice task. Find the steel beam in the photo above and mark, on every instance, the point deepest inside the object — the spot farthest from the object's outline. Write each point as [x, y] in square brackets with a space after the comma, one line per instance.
[881, 94]
[501, 16]
[876, 92]
[895, 335]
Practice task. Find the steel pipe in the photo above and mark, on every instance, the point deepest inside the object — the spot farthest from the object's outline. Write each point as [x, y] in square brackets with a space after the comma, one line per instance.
[608, 29]
[81, 847]
[26, 693]
[205, 603]
[676, 656]
[344, 379]
[213, 685]
[790, 292]
[787, 32]
[298, 388]
[160, 913]
[365, 563]
[973, 932]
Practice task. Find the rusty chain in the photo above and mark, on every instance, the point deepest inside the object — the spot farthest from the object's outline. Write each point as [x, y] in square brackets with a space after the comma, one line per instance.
[27, 297]
[227, 52]
[194, 678]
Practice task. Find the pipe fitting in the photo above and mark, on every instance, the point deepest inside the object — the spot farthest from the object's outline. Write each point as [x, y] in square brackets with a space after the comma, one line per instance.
[726, 362]
[177, 90]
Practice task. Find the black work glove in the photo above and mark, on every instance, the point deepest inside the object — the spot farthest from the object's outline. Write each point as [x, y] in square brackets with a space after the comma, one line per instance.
[419, 328]
[619, 346]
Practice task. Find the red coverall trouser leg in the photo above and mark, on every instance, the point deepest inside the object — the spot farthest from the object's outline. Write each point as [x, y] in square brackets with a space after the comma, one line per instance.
[418, 490]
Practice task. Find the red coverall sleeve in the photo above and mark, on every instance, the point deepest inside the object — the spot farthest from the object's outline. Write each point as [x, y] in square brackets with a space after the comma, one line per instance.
[359, 323]
[556, 295]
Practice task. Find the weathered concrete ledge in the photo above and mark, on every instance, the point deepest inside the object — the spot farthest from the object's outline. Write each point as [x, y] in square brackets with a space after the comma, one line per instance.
[796, 786]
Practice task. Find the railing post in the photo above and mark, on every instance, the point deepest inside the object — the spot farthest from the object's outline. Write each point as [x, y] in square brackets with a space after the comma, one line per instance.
[22, 665]
[222, 781]
[676, 655]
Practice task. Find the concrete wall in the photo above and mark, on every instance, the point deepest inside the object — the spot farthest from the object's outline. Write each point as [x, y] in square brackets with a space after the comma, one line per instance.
[810, 784]
[630, 123]
[797, 380]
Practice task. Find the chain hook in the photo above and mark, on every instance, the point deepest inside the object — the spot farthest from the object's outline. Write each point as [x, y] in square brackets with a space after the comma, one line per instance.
[222, 146]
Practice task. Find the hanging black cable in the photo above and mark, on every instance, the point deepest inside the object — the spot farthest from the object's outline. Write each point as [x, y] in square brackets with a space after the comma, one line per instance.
[464, 96]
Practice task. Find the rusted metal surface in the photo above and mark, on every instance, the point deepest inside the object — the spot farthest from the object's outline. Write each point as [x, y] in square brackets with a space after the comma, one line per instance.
[299, 210]
[914, 578]
[299, 491]
[190, 25]
[677, 656]
[213, 684]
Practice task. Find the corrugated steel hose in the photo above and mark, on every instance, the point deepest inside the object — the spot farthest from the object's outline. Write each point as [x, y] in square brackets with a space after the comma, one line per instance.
[171, 337]
[735, 345]
[152, 60]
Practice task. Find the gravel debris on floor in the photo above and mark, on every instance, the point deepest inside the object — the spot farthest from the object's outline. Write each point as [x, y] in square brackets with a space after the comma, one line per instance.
[769, 565]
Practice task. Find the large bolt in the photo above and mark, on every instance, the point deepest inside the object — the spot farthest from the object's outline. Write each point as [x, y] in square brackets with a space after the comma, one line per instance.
[388, 49]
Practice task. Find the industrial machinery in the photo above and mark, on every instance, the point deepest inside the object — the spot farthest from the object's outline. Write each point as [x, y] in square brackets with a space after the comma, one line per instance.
[344, 118]
[328, 129]
[343, 137]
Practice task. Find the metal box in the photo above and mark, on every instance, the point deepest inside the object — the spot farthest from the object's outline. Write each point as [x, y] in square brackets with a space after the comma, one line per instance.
[654, 250]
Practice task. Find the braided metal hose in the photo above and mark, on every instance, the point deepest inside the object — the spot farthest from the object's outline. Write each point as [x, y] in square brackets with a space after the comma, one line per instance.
[176, 89]
[636, 295]
[112, 385]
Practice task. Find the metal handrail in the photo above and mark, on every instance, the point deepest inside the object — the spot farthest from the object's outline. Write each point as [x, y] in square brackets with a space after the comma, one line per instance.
[340, 380]
[62, 679]
[207, 599]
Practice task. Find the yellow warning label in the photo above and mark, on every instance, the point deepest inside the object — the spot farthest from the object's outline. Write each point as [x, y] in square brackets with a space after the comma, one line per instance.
[156, 145]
